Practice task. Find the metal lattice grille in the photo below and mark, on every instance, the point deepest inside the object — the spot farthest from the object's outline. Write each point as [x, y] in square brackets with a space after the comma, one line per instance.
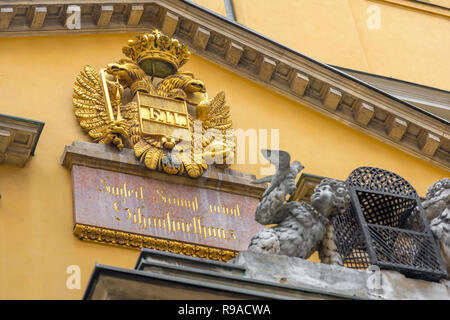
[350, 241]
[385, 225]
[386, 210]
[410, 249]
[379, 180]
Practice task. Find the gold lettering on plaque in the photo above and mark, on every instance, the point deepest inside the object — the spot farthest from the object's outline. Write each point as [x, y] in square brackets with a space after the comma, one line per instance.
[167, 223]
[177, 201]
[123, 190]
[229, 211]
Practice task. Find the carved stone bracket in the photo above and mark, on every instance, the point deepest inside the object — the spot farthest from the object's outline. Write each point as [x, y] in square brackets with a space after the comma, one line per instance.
[18, 139]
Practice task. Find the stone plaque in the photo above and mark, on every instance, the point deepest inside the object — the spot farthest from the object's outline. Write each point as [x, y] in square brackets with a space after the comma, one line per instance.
[148, 207]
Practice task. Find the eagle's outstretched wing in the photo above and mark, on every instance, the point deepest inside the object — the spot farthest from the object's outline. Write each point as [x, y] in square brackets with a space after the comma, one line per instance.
[218, 136]
[91, 113]
[89, 103]
[218, 114]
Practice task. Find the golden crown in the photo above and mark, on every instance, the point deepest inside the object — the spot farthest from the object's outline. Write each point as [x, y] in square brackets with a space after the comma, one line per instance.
[157, 54]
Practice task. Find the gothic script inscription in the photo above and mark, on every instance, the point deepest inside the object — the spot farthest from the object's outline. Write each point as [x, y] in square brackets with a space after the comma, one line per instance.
[149, 207]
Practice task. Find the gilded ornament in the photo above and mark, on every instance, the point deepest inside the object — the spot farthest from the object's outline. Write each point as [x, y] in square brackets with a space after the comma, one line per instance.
[134, 241]
[201, 252]
[188, 249]
[149, 242]
[214, 254]
[175, 247]
[144, 102]
[228, 255]
[162, 245]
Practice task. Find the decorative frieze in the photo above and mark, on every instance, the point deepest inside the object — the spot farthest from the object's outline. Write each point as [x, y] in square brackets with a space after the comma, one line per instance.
[299, 83]
[104, 15]
[6, 15]
[234, 53]
[266, 69]
[134, 17]
[429, 143]
[396, 127]
[363, 113]
[201, 38]
[332, 99]
[37, 17]
[169, 24]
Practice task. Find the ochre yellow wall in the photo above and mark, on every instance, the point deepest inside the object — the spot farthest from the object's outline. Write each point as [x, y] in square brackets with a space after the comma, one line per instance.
[36, 81]
[410, 45]
[444, 3]
[215, 5]
[37, 245]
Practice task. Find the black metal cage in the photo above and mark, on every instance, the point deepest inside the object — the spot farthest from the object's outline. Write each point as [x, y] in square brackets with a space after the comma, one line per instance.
[386, 226]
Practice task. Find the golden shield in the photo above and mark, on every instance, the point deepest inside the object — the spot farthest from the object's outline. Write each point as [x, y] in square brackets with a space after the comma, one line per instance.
[159, 116]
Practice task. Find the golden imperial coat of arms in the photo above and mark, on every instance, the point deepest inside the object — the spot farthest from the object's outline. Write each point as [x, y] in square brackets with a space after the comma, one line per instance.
[144, 102]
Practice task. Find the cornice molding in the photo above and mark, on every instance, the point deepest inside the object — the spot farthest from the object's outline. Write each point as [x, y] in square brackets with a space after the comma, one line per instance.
[318, 86]
[420, 6]
[18, 139]
[436, 101]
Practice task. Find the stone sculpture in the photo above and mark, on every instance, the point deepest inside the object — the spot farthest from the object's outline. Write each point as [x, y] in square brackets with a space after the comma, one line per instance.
[437, 209]
[299, 226]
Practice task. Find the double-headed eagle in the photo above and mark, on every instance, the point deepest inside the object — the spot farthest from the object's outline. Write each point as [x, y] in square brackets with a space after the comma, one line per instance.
[144, 102]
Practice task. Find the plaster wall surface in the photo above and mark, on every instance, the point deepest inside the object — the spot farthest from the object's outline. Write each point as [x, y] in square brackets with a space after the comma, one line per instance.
[374, 36]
